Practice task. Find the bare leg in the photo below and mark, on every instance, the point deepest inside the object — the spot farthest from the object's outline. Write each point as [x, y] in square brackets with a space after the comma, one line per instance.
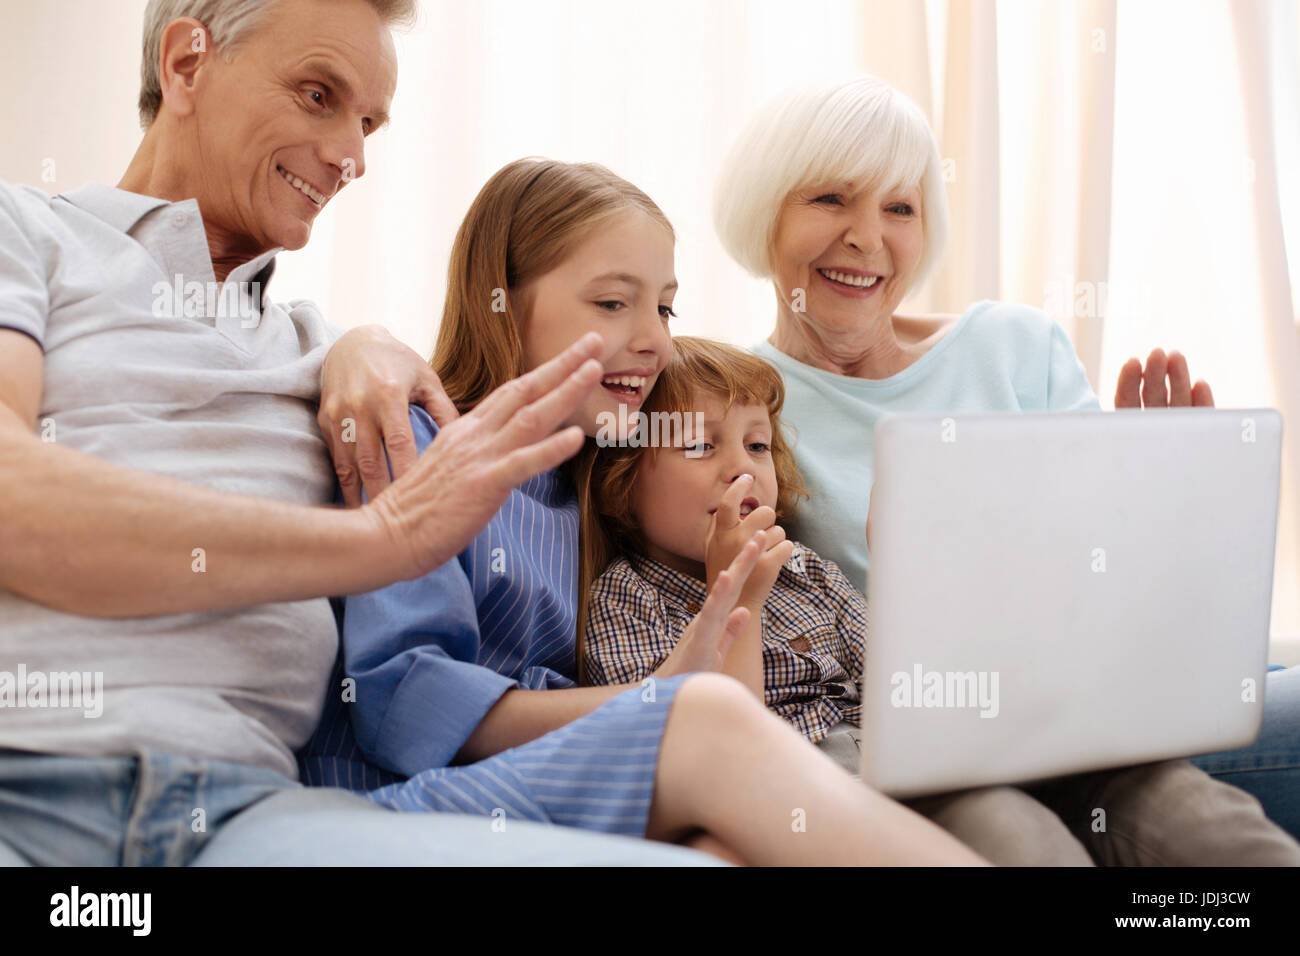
[746, 778]
[712, 845]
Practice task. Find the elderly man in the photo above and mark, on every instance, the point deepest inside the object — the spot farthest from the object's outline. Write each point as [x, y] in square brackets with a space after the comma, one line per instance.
[165, 551]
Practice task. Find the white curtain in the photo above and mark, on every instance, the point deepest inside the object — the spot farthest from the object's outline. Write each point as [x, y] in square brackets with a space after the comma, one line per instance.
[1133, 169]
[1132, 166]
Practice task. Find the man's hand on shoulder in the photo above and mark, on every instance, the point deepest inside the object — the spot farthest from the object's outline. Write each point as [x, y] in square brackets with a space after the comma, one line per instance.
[367, 381]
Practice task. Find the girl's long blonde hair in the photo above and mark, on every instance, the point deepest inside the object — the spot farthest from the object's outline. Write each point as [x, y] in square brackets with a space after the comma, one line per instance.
[523, 223]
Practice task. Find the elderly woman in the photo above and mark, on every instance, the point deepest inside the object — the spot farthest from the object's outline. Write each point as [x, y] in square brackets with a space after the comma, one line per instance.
[836, 195]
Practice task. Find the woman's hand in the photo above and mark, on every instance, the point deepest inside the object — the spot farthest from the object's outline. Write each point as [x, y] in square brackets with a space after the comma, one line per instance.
[728, 533]
[367, 381]
[707, 639]
[1138, 389]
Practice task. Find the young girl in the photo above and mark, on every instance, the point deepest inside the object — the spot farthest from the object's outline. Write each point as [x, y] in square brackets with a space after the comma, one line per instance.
[672, 518]
[474, 663]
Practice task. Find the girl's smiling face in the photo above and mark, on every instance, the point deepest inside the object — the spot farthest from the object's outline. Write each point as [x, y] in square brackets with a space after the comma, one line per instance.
[618, 282]
[677, 490]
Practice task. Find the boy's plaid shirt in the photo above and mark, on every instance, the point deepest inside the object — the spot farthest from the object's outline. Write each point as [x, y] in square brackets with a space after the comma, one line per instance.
[814, 634]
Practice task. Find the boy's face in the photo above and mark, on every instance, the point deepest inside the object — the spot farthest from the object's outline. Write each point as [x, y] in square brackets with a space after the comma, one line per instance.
[675, 493]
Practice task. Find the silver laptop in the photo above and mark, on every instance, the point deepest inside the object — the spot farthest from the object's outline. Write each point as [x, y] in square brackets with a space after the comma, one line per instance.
[1058, 592]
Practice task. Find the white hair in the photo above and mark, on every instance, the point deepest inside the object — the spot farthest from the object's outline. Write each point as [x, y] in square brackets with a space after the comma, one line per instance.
[228, 23]
[862, 131]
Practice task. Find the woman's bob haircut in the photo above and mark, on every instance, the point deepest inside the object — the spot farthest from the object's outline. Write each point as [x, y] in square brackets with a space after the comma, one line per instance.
[861, 131]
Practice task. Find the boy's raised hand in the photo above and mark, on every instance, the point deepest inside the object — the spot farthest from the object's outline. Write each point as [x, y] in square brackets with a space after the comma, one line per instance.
[707, 639]
[728, 533]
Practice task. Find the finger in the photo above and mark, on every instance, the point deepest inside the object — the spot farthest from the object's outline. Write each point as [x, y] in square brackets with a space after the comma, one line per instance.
[552, 451]
[735, 626]
[344, 467]
[774, 559]
[1180, 382]
[505, 401]
[1128, 390]
[728, 513]
[1202, 397]
[1153, 381]
[399, 442]
[731, 581]
[372, 466]
[547, 413]
[776, 538]
[344, 455]
[430, 396]
[760, 519]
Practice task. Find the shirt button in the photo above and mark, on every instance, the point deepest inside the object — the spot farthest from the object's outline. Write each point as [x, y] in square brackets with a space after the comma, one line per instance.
[178, 220]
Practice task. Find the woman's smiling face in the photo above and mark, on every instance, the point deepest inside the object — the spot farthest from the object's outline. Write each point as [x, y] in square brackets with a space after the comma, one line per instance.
[852, 253]
[619, 283]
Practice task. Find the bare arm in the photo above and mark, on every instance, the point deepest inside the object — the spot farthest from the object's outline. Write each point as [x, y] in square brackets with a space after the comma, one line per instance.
[524, 715]
[81, 535]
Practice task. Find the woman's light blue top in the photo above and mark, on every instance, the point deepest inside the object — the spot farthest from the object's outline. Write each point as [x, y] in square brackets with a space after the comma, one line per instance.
[998, 357]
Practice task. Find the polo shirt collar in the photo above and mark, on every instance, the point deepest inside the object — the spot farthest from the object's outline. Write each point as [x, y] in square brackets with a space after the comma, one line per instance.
[123, 211]
[117, 207]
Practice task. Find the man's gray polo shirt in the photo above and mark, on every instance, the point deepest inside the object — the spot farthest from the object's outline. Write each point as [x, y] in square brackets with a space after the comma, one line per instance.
[218, 392]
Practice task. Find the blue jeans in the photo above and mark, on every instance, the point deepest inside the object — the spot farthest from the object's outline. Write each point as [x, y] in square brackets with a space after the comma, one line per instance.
[1269, 769]
[164, 810]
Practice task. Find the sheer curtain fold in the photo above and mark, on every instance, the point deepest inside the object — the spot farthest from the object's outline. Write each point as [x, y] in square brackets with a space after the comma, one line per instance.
[1094, 32]
[1251, 31]
[970, 143]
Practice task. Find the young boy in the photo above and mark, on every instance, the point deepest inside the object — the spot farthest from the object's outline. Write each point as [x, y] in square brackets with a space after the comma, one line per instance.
[674, 516]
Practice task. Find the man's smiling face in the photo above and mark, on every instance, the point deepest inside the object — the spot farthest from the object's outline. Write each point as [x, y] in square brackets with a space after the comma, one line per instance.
[281, 127]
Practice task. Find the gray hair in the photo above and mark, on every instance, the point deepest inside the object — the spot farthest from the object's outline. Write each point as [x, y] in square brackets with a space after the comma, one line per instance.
[228, 23]
[861, 130]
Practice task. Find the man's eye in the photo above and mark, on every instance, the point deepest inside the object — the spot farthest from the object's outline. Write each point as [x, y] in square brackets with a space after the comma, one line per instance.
[316, 96]
[616, 305]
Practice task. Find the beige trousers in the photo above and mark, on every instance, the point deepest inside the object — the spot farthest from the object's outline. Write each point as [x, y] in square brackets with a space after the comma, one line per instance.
[1158, 814]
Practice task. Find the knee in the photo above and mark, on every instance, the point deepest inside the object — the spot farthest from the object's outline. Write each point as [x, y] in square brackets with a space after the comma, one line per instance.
[1008, 827]
[1180, 795]
[717, 701]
